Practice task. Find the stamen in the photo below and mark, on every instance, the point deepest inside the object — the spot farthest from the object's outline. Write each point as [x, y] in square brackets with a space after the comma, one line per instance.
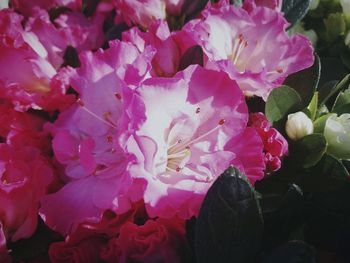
[118, 96]
[174, 144]
[239, 44]
[82, 105]
[220, 123]
[198, 110]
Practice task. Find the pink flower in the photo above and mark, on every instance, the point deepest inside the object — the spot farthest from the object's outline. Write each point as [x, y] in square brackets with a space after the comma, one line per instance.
[141, 13]
[4, 256]
[249, 156]
[86, 250]
[21, 129]
[169, 47]
[26, 7]
[69, 29]
[85, 140]
[275, 145]
[30, 86]
[252, 47]
[24, 178]
[179, 140]
[156, 241]
[272, 4]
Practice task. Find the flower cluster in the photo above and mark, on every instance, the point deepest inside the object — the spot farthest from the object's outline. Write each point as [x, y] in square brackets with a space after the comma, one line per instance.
[117, 118]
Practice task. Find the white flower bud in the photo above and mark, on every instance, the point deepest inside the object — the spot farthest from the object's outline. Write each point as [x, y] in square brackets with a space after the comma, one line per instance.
[4, 4]
[337, 131]
[298, 125]
[345, 5]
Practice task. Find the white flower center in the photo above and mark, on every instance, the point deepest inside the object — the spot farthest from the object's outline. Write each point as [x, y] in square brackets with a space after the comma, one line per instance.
[179, 155]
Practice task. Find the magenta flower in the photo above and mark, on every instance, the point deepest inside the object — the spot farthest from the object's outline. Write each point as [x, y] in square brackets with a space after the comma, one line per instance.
[69, 29]
[275, 145]
[252, 47]
[27, 7]
[168, 47]
[157, 240]
[141, 13]
[25, 176]
[85, 140]
[179, 138]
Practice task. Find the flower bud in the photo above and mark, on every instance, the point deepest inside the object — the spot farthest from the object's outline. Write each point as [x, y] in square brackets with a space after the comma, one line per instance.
[336, 131]
[4, 4]
[345, 5]
[298, 125]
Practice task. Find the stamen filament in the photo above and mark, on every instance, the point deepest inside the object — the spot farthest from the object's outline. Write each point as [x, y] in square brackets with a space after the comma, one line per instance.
[81, 104]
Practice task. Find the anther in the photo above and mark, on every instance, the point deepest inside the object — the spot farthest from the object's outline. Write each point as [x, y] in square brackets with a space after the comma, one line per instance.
[222, 122]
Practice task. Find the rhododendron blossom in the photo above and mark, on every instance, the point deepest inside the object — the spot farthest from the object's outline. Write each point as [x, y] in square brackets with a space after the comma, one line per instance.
[141, 13]
[156, 241]
[252, 47]
[180, 141]
[86, 139]
[275, 145]
[27, 7]
[169, 47]
[25, 176]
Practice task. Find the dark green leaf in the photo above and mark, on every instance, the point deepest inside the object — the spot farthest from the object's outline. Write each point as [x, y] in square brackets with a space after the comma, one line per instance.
[193, 55]
[292, 252]
[310, 149]
[295, 10]
[236, 2]
[341, 85]
[282, 213]
[305, 82]
[192, 8]
[328, 175]
[342, 109]
[342, 99]
[229, 226]
[320, 123]
[281, 102]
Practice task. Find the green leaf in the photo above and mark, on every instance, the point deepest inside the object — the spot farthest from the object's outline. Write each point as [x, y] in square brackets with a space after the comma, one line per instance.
[320, 123]
[236, 2]
[328, 175]
[229, 226]
[295, 10]
[292, 251]
[342, 99]
[335, 26]
[306, 81]
[310, 149]
[341, 85]
[342, 109]
[282, 101]
[313, 106]
[192, 8]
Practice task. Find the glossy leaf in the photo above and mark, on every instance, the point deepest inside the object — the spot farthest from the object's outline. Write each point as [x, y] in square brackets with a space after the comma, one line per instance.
[306, 81]
[292, 252]
[281, 102]
[310, 149]
[295, 10]
[229, 226]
